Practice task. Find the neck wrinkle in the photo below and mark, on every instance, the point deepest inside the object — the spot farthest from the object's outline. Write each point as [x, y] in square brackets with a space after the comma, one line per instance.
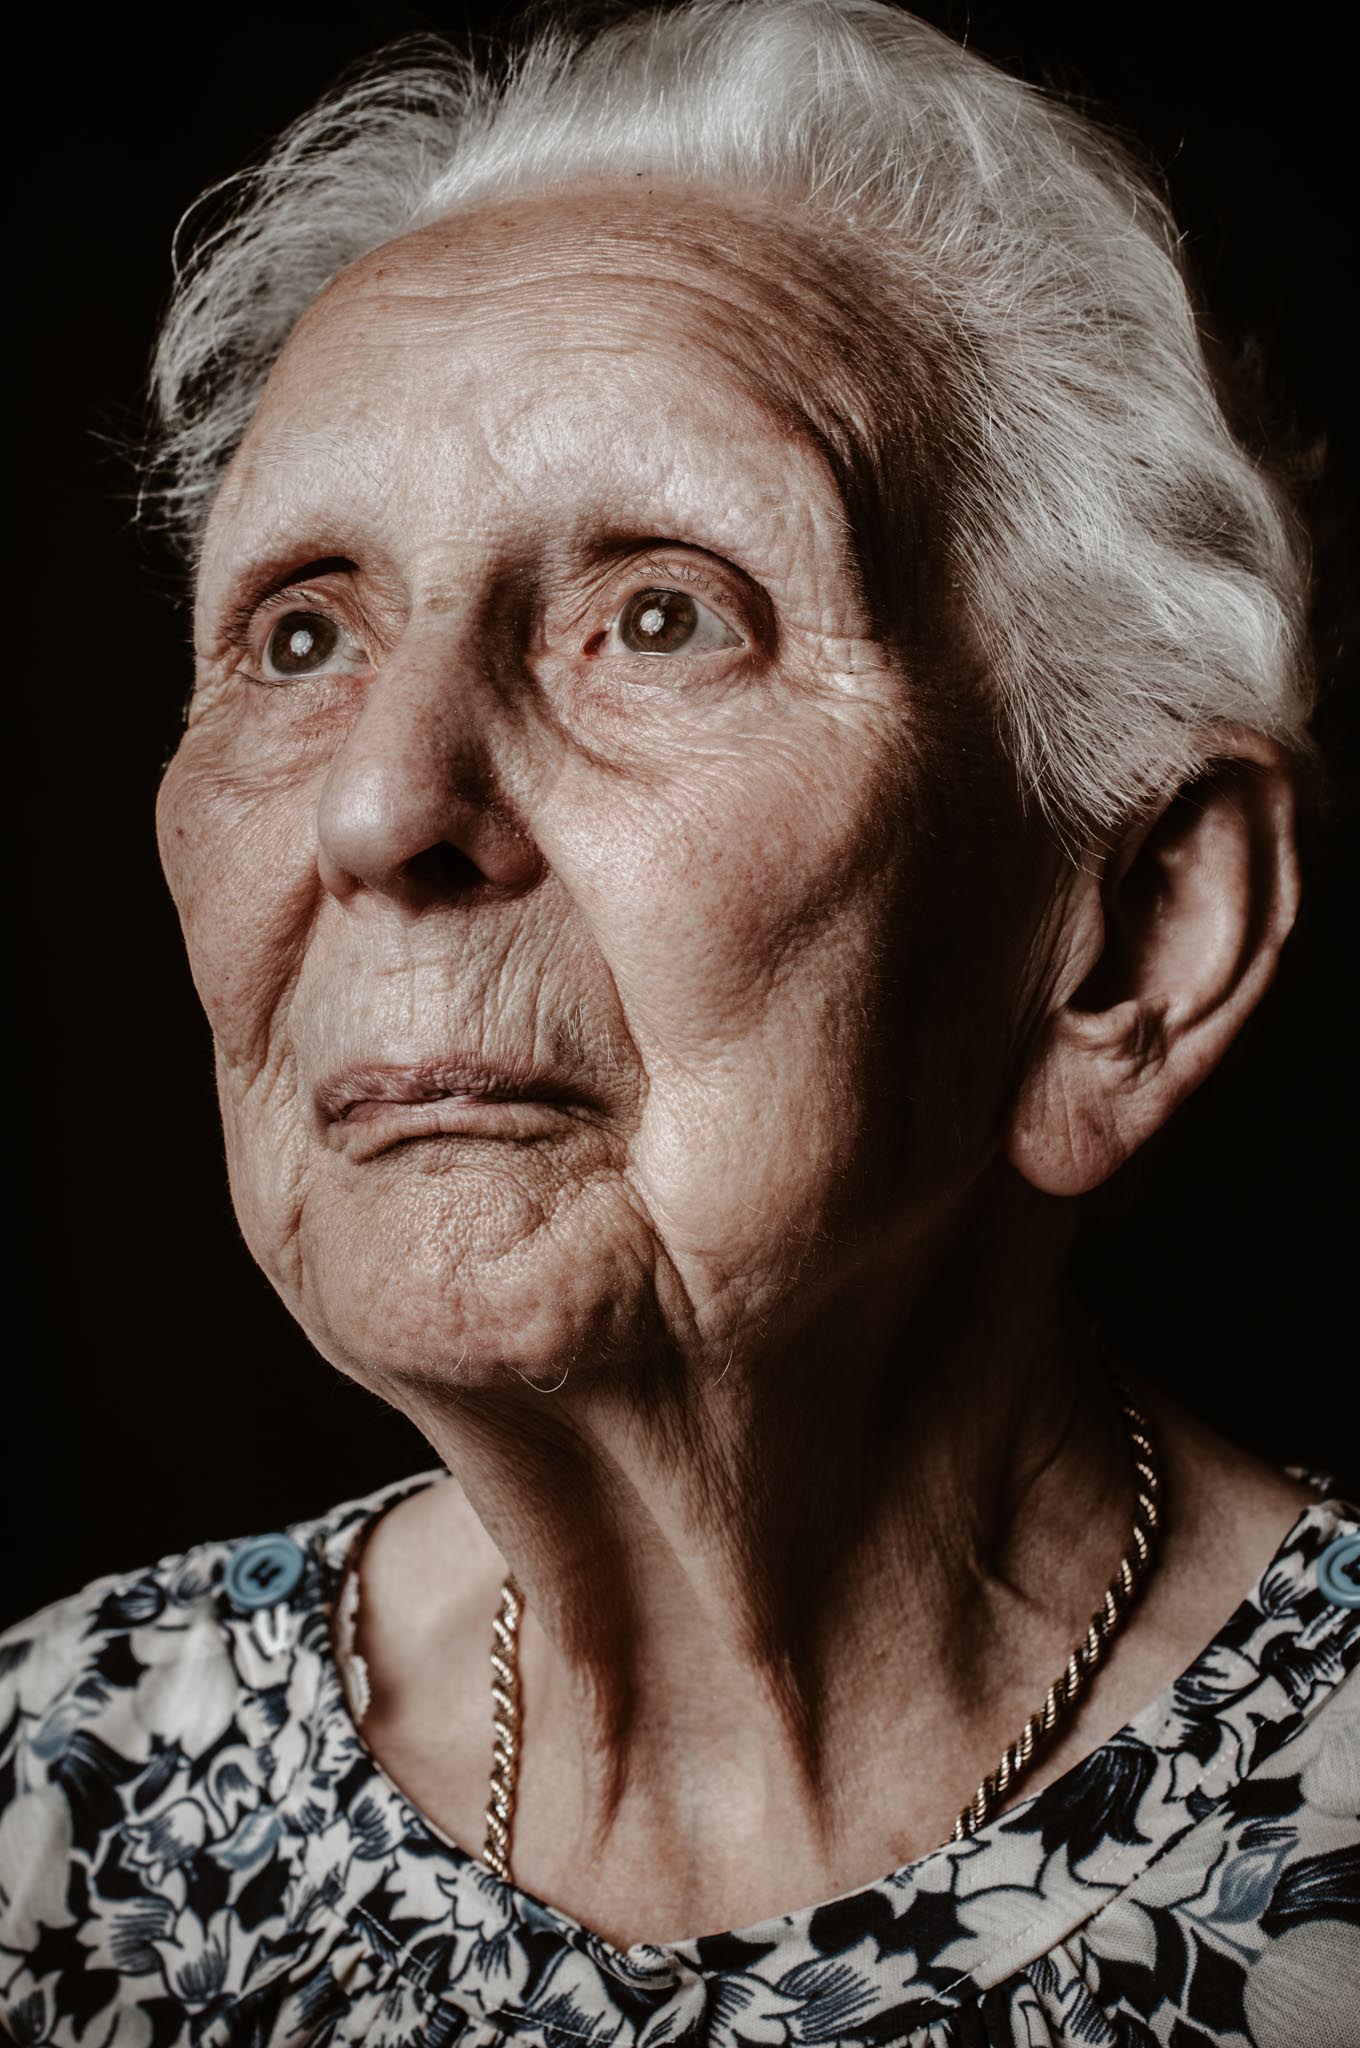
[830, 1545]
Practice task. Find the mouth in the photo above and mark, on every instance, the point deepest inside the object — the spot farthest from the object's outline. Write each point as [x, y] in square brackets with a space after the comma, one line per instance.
[365, 1109]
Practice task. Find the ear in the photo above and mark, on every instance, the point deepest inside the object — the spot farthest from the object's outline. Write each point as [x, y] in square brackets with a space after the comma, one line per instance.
[1162, 956]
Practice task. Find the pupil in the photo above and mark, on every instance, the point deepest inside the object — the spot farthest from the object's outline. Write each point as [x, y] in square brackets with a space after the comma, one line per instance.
[659, 621]
[300, 643]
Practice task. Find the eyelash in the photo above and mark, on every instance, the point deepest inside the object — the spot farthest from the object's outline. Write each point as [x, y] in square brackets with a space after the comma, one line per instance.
[253, 620]
[688, 586]
[252, 615]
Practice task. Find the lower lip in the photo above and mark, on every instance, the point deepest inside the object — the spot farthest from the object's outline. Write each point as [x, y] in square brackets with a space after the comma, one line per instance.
[372, 1126]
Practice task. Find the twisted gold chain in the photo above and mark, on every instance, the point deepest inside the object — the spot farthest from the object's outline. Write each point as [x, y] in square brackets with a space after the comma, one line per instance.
[1089, 1653]
[1059, 1700]
[500, 1809]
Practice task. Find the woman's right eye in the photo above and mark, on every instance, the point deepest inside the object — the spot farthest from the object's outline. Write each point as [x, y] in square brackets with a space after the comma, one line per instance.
[306, 644]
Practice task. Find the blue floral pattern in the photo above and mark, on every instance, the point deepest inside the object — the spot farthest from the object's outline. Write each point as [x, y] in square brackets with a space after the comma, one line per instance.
[196, 1846]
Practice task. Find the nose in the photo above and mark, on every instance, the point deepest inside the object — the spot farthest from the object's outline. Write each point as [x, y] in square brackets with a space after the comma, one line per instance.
[412, 808]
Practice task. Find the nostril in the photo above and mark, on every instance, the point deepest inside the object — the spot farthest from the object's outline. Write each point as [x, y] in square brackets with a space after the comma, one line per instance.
[419, 829]
[454, 864]
[444, 867]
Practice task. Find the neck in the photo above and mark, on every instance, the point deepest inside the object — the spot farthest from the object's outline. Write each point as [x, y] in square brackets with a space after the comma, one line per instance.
[745, 1591]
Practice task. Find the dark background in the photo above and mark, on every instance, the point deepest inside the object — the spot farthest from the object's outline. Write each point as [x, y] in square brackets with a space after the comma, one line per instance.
[164, 1395]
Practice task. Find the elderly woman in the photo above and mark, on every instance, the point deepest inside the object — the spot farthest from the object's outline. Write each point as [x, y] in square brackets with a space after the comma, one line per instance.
[740, 764]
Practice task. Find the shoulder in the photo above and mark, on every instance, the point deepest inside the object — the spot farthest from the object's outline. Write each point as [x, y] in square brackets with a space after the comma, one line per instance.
[1229, 1518]
[1241, 1833]
[126, 1706]
[129, 1631]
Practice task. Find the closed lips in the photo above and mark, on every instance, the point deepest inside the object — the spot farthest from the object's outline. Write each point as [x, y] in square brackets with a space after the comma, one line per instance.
[358, 1093]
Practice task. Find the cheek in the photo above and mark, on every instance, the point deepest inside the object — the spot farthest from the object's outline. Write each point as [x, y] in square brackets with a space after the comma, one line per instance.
[819, 990]
[240, 859]
[743, 907]
[707, 887]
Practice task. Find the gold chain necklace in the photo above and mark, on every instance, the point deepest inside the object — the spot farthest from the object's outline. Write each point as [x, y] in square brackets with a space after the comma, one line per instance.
[1089, 1653]
[500, 1802]
[1059, 1700]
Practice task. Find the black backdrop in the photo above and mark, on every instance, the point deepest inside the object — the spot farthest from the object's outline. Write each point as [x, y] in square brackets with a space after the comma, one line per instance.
[164, 1395]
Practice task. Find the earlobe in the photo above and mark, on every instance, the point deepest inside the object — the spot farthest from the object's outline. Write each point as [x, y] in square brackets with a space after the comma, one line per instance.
[1096, 1091]
[1191, 911]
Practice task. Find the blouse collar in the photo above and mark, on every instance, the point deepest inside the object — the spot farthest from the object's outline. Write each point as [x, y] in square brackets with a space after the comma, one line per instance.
[916, 1944]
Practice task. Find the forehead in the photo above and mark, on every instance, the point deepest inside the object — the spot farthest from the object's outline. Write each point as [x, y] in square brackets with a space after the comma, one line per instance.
[611, 333]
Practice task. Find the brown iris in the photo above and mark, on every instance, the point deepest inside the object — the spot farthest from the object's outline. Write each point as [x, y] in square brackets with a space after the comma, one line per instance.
[300, 643]
[658, 621]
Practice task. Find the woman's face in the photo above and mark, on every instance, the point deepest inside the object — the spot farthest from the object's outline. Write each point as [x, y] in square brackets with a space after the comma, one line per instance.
[593, 951]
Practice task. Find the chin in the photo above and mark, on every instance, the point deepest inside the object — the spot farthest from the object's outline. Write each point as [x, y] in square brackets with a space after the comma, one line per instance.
[467, 1278]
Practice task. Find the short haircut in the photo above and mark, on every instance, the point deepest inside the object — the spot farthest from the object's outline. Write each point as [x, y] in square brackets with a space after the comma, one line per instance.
[1129, 579]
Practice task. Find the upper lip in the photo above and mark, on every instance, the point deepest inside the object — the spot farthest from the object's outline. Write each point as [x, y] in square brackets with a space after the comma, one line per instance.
[436, 1080]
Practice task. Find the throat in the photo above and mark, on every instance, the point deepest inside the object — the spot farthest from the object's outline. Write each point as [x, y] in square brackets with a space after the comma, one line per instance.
[726, 1761]
[777, 1625]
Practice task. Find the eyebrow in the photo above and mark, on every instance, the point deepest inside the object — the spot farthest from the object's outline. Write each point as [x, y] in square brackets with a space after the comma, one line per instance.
[250, 596]
[325, 565]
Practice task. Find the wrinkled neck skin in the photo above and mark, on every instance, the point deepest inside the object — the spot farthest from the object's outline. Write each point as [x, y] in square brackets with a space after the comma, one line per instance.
[754, 1597]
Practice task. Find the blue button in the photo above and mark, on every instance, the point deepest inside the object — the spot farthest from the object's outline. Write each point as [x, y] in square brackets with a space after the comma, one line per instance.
[263, 1572]
[1338, 1571]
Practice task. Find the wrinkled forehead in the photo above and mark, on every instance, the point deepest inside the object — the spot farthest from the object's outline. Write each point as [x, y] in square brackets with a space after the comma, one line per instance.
[624, 327]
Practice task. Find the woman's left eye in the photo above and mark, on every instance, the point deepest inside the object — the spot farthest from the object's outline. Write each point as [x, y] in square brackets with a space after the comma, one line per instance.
[660, 621]
[304, 644]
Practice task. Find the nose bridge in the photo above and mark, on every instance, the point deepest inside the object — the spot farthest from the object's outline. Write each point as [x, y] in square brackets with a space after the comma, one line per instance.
[435, 695]
[420, 769]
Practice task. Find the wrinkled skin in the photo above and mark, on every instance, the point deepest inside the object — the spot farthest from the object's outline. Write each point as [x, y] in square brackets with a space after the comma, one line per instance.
[691, 886]
[769, 1044]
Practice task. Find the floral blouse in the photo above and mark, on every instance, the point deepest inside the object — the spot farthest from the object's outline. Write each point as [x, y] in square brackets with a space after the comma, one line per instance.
[198, 1847]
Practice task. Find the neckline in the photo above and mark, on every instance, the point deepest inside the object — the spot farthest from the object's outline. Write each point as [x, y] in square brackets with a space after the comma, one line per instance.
[1079, 1839]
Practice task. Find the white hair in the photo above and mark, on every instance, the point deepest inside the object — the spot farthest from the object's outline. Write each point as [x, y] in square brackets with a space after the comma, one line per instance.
[1128, 577]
